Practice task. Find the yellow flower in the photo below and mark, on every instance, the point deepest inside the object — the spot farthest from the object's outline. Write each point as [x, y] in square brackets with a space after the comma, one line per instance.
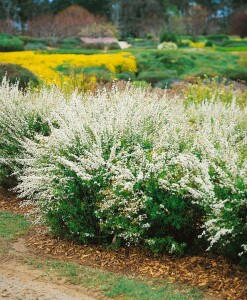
[43, 65]
[197, 45]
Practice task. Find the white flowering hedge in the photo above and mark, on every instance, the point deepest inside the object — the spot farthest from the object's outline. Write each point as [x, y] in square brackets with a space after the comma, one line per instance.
[132, 167]
[22, 115]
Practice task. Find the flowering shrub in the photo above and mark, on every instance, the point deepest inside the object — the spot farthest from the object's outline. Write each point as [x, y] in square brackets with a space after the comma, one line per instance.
[167, 46]
[22, 115]
[99, 30]
[45, 64]
[132, 167]
[197, 45]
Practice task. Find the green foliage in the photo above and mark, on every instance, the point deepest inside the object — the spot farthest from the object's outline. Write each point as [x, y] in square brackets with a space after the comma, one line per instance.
[70, 43]
[35, 46]
[218, 37]
[126, 76]
[177, 61]
[30, 39]
[9, 43]
[169, 37]
[33, 43]
[215, 89]
[209, 43]
[16, 73]
[188, 63]
[183, 43]
[232, 49]
[239, 73]
[72, 51]
[100, 46]
[101, 73]
[175, 221]
[142, 43]
[154, 77]
[73, 216]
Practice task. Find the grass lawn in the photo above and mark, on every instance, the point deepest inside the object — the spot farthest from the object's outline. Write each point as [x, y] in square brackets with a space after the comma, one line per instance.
[12, 226]
[113, 285]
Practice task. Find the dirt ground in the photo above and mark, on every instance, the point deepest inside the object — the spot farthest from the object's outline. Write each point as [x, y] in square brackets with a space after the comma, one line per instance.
[19, 282]
[216, 277]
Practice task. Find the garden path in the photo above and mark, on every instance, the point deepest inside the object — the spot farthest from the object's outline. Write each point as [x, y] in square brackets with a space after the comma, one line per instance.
[216, 277]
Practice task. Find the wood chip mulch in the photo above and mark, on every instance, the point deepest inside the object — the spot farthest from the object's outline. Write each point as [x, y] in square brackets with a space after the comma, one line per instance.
[214, 275]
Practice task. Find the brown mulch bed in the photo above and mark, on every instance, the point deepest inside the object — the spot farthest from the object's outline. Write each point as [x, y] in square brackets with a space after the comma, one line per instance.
[215, 275]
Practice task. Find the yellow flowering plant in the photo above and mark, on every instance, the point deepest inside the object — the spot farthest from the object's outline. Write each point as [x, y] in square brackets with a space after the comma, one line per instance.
[44, 65]
[197, 45]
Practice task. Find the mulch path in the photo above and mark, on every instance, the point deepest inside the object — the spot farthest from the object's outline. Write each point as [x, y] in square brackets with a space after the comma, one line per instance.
[214, 275]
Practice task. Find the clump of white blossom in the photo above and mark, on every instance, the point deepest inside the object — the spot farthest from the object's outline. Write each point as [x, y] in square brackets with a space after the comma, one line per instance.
[133, 166]
[23, 115]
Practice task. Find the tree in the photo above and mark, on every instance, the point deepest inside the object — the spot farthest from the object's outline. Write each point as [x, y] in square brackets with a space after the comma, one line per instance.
[65, 24]
[98, 7]
[196, 20]
[139, 17]
[7, 9]
[238, 23]
[20, 11]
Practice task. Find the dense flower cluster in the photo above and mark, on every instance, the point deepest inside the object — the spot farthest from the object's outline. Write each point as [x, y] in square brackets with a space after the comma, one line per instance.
[43, 65]
[134, 167]
[197, 45]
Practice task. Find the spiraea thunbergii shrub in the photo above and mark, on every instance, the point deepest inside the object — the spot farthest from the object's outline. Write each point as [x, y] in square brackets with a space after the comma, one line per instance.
[136, 168]
[22, 115]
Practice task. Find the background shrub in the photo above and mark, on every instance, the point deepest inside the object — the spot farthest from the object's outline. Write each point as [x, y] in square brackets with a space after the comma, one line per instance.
[99, 30]
[16, 73]
[169, 37]
[35, 46]
[218, 37]
[167, 46]
[155, 76]
[9, 43]
[143, 43]
[71, 42]
[100, 46]
[209, 43]
[239, 73]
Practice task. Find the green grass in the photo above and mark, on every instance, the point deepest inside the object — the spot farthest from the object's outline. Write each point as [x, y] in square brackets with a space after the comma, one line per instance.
[12, 225]
[113, 285]
[232, 49]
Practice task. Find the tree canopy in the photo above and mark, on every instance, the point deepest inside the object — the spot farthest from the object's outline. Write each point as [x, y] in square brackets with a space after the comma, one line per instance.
[137, 17]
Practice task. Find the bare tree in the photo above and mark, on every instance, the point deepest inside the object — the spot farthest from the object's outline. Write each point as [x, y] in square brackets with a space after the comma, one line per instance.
[65, 24]
[238, 23]
[7, 26]
[8, 8]
[196, 19]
